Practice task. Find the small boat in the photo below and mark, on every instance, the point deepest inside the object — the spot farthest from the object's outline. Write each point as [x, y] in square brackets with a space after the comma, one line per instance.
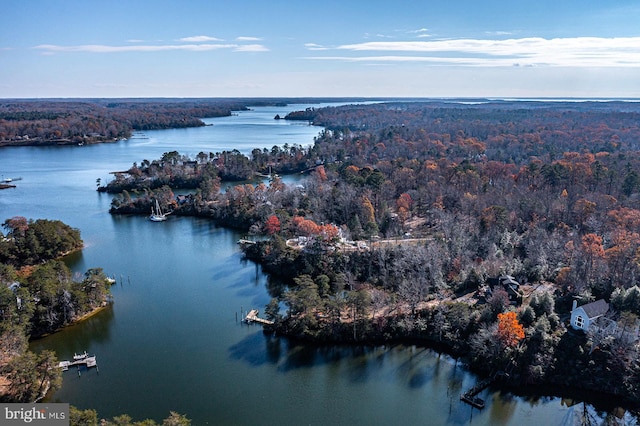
[79, 357]
[156, 213]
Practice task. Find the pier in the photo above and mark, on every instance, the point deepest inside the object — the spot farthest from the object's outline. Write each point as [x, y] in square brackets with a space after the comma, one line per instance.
[243, 241]
[252, 317]
[78, 360]
[470, 396]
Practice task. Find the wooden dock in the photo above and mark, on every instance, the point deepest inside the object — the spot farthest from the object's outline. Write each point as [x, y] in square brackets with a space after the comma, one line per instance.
[252, 317]
[470, 396]
[78, 360]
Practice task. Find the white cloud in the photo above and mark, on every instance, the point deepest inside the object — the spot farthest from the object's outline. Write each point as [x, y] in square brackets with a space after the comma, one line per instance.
[498, 33]
[313, 46]
[248, 38]
[198, 39]
[251, 48]
[534, 51]
[49, 49]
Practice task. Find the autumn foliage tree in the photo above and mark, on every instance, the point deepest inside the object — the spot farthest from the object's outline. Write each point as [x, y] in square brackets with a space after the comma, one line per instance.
[272, 225]
[510, 331]
[404, 203]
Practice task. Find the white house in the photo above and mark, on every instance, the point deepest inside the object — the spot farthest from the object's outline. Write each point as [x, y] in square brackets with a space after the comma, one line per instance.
[582, 317]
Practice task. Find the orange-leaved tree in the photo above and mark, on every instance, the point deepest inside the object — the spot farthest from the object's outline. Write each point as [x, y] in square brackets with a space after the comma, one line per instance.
[510, 331]
[272, 225]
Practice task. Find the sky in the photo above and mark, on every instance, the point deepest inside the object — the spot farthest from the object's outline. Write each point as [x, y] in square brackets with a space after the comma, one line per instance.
[328, 48]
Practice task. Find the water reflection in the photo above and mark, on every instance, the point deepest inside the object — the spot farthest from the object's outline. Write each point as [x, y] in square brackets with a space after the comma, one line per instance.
[78, 337]
[250, 350]
[502, 407]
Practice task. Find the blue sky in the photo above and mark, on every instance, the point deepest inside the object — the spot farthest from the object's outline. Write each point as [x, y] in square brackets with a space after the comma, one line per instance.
[264, 48]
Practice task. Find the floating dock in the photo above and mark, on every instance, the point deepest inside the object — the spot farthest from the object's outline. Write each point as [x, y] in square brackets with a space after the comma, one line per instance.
[252, 317]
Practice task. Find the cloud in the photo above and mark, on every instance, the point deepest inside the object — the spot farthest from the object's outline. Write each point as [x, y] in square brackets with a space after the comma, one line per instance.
[49, 49]
[198, 39]
[313, 46]
[533, 51]
[498, 33]
[250, 48]
[422, 32]
[248, 39]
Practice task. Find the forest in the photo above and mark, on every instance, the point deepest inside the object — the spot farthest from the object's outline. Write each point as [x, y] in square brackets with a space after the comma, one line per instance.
[62, 122]
[83, 121]
[39, 295]
[439, 199]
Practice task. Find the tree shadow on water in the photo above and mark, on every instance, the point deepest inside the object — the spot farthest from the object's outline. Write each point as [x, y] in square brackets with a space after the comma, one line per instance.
[420, 378]
[252, 351]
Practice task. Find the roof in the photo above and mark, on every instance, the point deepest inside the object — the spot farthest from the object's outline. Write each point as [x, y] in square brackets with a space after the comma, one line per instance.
[595, 309]
[508, 279]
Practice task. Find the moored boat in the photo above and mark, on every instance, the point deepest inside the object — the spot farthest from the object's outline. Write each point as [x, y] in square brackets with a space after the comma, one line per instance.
[156, 213]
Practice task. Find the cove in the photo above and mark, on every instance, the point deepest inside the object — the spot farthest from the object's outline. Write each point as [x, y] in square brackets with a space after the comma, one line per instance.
[173, 341]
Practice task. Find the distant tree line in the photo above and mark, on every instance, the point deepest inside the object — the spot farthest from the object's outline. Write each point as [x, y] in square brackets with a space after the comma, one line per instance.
[58, 122]
[80, 121]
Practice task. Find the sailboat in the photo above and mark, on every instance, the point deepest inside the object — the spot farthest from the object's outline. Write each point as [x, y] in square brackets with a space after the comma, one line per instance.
[156, 213]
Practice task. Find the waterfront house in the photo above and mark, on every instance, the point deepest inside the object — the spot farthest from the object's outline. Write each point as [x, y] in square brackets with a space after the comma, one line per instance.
[583, 317]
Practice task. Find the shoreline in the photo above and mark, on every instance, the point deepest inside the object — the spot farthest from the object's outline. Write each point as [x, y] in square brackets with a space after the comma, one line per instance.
[76, 321]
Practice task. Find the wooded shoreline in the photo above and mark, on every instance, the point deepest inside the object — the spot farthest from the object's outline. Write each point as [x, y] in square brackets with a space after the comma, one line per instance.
[544, 193]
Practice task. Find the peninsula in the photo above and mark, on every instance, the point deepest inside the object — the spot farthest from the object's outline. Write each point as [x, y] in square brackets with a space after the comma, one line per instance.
[465, 198]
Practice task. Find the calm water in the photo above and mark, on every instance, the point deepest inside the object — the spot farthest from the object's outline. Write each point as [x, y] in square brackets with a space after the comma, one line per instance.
[171, 341]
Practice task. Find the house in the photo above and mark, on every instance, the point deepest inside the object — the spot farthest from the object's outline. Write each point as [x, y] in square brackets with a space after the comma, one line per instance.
[510, 285]
[583, 317]
[14, 286]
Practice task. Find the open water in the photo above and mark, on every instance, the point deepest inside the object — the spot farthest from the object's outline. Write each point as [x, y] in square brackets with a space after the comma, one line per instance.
[172, 341]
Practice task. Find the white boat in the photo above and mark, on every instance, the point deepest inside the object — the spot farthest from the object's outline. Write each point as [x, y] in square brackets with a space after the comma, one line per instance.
[78, 357]
[156, 213]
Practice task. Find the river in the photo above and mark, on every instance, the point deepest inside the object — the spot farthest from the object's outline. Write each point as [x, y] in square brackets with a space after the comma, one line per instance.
[172, 341]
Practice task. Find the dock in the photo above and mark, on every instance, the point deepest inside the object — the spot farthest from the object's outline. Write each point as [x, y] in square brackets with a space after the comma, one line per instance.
[78, 360]
[242, 241]
[252, 317]
[470, 396]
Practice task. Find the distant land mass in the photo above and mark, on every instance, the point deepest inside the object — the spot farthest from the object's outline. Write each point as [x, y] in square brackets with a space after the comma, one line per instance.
[78, 121]
[37, 122]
